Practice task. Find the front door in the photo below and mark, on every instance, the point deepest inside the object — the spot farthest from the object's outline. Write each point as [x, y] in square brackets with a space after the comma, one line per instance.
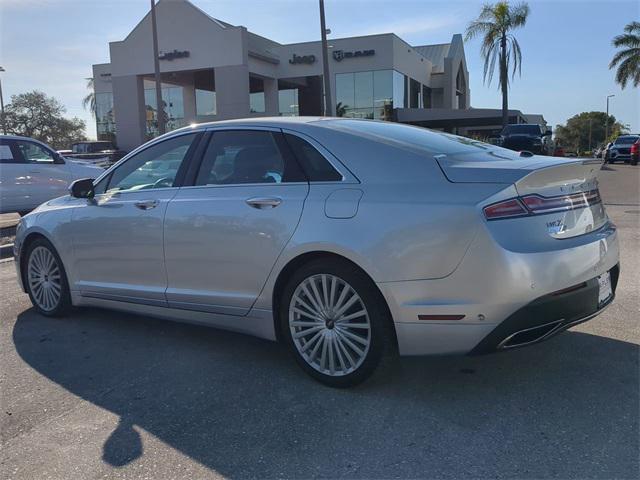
[47, 176]
[118, 235]
[224, 234]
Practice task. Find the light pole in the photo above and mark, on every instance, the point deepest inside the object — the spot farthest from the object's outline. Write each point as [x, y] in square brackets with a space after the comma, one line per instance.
[606, 121]
[156, 67]
[4, 125]
[328, 108]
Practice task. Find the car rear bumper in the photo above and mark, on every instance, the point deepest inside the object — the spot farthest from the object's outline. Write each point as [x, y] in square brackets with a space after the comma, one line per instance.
[547, 316]
[496, 293]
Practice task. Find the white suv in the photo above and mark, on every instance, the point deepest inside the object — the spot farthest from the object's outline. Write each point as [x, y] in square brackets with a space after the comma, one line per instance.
[32, 173]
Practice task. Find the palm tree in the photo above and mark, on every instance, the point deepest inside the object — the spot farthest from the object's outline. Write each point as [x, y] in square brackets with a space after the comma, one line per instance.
[90, 100]
[495, 23]
[627, 60]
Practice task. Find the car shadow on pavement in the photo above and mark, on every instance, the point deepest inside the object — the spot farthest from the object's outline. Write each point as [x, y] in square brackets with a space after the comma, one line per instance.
[241, 407]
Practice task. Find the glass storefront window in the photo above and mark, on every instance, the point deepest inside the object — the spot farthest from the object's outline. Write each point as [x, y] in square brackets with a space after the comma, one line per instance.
[205, 103]
[370, 94]
[426, 97]
[256, 102]
[105, 119]
[414, 93]
[399, 90]
[363, 84]
[383, 94]
[288, 102]
[173, 104]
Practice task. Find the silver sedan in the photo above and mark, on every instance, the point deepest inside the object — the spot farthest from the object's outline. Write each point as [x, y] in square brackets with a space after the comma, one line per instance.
[344, 239]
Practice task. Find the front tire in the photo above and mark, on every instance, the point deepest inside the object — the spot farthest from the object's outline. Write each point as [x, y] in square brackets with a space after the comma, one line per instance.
[335, 322]
[46, 280]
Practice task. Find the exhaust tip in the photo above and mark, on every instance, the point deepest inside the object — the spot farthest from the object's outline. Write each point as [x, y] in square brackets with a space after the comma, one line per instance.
[530, 335]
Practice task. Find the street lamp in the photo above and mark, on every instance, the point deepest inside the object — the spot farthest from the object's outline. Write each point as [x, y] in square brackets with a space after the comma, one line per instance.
[4, 125]
[606, 121]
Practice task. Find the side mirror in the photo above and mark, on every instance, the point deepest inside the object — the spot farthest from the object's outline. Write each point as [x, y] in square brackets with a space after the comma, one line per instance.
[58, 159]
[547, 133]
[82, 188]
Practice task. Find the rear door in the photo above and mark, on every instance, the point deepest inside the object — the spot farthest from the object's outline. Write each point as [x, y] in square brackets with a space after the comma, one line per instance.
[224, 234]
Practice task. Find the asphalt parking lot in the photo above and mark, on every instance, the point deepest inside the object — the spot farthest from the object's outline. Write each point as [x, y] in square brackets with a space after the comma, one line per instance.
[104, 394]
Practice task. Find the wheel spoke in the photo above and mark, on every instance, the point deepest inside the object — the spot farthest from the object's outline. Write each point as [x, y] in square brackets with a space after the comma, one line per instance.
[336, 347]
[325, 291]
[344, 350]
[359, 313]
[332, 366]
[317, 307]
[314, 352]
[353, 347]
[332, 294]
[354, 298]
[308, 344]
[306, 314]
[323, 355]
[343, 294]
[317, 296]
[304, 333]
[353, 336]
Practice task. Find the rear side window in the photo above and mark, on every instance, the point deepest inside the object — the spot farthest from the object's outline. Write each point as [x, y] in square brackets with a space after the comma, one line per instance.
[34, 153]
[315, 166]
[246, 156]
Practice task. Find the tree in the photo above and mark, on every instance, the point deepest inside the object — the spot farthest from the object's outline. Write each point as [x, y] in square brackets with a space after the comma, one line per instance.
[89, 101]
[627, 60]
[495, 23]
[586, 131]
[35, 115]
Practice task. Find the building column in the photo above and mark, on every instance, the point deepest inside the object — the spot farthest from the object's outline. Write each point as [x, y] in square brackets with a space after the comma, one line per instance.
[271, 103]
[129, 110]
[232, 91]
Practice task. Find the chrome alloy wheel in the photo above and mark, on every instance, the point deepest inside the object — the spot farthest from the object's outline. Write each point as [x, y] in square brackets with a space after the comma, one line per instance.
[44, 277]
[329, 325]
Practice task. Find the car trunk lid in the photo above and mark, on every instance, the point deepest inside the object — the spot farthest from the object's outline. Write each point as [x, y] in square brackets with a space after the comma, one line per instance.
[558, 196]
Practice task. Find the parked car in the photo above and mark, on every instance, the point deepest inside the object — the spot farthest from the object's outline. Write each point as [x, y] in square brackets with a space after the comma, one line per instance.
[345, 239]
[528, 137]
[635, 151]
[558, 151]
[100, 153]
[620, 150]
[32, 173]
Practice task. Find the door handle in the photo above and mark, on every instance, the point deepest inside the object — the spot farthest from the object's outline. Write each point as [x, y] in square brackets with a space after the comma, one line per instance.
[146, 204]
[262, 203]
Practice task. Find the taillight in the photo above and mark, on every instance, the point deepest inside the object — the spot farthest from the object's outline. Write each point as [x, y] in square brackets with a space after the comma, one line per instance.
[537, 204]
[635, 148]
[506, 209]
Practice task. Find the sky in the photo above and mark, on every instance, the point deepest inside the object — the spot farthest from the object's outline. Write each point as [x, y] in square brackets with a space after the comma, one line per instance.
[50, 45]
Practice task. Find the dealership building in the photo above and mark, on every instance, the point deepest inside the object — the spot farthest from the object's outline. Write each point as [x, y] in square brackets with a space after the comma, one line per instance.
[211, 70]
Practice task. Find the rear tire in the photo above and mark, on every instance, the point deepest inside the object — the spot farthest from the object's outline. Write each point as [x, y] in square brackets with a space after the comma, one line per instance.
[335, 322]
[46, 279]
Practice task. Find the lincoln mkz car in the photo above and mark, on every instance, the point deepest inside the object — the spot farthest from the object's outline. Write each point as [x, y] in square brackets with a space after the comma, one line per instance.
[344, 239]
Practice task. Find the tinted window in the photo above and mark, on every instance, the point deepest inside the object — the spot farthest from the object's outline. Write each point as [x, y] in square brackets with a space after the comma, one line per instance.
[248, 156]
[522, 129]
[6, 153]
[315, 166]
[34, 153]
[154, 167]
[625, 140]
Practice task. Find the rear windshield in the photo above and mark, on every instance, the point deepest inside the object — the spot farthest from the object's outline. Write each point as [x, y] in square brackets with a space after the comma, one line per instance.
[625, 140]
[430, 141]
[523, 129]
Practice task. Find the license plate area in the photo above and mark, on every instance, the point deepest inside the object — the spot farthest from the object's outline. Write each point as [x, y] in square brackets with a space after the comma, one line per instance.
[605, 291]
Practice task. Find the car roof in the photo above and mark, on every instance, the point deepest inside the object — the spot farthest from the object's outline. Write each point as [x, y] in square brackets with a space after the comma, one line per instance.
[16, 137]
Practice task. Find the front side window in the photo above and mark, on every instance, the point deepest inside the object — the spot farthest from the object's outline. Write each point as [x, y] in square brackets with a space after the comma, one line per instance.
[246, 156]
[34, 153]
[154, 167]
